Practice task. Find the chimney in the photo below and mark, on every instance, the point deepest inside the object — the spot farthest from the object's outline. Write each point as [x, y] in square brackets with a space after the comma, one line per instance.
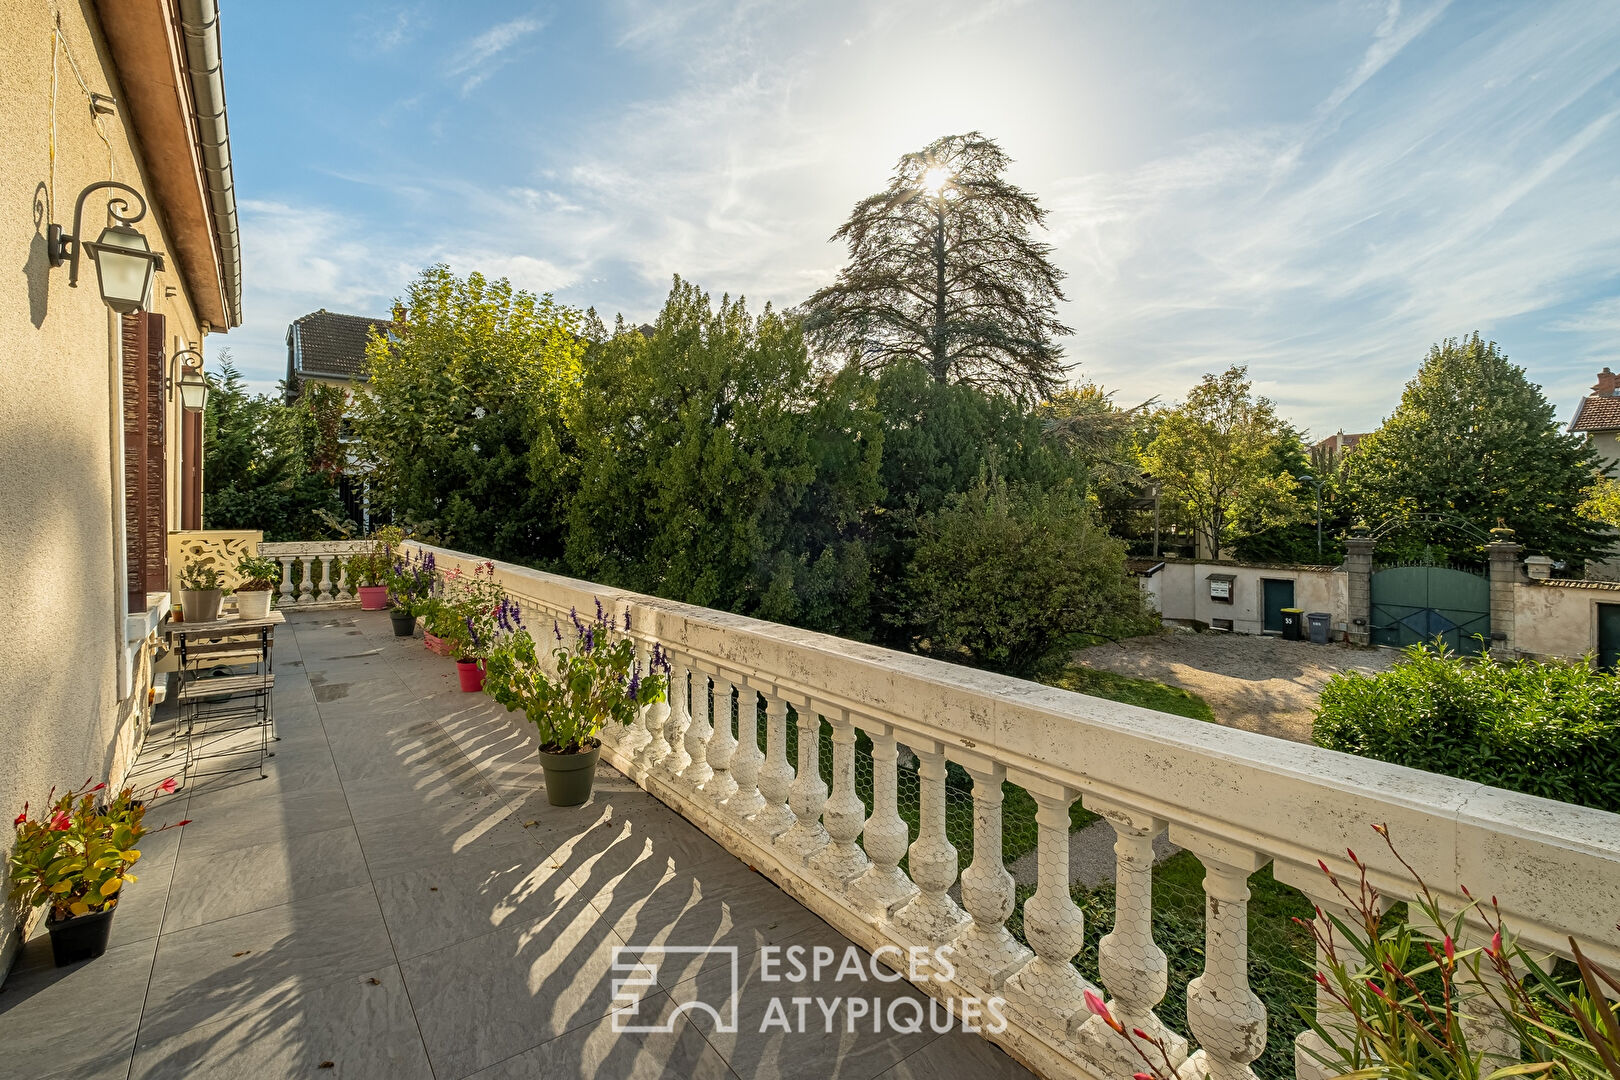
[1607, 383]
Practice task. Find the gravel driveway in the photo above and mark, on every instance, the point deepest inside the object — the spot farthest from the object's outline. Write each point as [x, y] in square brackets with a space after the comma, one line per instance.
[1262, 684]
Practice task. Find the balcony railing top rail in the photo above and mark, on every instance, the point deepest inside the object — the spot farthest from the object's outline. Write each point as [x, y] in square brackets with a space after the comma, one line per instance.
[1235, 799]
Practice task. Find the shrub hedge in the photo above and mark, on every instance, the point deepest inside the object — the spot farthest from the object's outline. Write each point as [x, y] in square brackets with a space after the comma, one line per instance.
[1547, 729]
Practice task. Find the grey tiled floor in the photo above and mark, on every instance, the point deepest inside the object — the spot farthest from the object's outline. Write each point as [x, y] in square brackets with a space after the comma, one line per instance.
[397, 900]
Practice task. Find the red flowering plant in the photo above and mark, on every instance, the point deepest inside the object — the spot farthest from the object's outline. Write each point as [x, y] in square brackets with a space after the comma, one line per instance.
[476, 612]
[76, 857]
[1405, 996]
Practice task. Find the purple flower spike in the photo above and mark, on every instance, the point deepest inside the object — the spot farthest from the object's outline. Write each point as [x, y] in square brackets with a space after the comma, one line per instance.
[556, 629]
[579, 627]
[601, 616]
[627, 620]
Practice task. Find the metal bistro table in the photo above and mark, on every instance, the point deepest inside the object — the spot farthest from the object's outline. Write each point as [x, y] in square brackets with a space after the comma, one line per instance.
[226, 684]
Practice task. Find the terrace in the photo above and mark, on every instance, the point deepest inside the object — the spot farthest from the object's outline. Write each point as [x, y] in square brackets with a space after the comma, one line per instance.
[398, 897]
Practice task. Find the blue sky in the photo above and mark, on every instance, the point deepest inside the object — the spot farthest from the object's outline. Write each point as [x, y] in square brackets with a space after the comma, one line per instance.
[1317, 190]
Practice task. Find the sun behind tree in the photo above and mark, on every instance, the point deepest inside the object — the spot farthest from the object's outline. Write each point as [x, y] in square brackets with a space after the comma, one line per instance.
[943, 270]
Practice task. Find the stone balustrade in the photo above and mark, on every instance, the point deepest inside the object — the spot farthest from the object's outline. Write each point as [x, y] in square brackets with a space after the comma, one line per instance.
[314, 573]
[1236, 800]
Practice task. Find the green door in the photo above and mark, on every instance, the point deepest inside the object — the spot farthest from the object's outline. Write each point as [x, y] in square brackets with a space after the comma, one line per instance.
[1609, 636]
[1277, 595]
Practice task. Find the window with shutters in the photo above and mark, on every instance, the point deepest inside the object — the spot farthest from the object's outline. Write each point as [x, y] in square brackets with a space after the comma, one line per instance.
[145, 486]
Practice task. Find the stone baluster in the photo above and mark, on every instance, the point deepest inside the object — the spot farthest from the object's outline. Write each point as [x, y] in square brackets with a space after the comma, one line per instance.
[775, 776]
[343, 590]
[1048, 990]
[697, 772]
[722, 744]
[1225, 1015]
[931, 917]
[883, 887]
[1328, 902]
[653, 719]
[678, 759]
[987, 952]
[286, 581]
[326, 581]
[844, 815]
[808, 794]
[306, 586]
[1488, 1031]
[1132, 966]
[746, 762]
[634, 735]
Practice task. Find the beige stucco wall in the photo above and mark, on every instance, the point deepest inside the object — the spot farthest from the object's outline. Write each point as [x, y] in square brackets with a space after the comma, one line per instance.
[1558, 620]
[1181, 593]
[72, 697]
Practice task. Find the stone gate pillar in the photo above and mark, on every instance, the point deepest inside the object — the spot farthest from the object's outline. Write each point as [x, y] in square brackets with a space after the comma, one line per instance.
[1358, 564]
[1504, 562]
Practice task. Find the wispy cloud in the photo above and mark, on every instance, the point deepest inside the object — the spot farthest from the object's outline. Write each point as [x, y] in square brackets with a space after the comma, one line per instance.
[481, 57]
[1318, 192]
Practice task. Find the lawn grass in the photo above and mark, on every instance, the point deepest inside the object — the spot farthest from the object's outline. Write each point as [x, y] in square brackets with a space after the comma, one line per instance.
[1142, 692]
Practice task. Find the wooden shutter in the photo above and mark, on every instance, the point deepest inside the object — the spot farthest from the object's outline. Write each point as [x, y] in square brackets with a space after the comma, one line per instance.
[145, 482]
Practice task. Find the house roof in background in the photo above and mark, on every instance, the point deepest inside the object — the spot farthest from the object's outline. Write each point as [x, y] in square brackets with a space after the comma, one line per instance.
[1597, 413]
[332, 345]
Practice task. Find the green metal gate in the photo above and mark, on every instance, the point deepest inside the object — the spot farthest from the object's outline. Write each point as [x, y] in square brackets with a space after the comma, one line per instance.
[1421, 603]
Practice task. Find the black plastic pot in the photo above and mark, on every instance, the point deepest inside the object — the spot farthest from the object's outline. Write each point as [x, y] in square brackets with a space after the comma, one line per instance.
[570, 777]
[404, 623]
[82, 937]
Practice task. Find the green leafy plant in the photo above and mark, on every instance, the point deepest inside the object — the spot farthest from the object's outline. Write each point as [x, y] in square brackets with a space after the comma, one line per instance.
[1544, 728]
[198, 576]
[371, 566]
[410, 581]
[598, 682]
[258, 573]
[77, 856]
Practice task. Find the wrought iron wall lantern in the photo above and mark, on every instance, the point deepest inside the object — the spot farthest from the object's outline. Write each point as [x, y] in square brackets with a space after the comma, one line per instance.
[186, 371]
[125, 262]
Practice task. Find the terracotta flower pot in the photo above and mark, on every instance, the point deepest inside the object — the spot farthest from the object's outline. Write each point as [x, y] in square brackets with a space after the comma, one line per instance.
[471, 673]
[82, 937]
[373, 597]
[435, 644]
[570, 777]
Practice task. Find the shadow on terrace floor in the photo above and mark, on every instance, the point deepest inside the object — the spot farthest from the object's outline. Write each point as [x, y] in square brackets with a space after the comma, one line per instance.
[397, 900]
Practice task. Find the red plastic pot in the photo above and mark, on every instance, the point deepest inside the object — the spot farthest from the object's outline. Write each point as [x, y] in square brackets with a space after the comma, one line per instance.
[471, 673]
[373, 597]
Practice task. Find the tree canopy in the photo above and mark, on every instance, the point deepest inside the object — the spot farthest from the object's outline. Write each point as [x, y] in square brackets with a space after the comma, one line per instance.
[462, 421]
[1473, 443]
[1223, 460]
[268, 466]
[944, 272]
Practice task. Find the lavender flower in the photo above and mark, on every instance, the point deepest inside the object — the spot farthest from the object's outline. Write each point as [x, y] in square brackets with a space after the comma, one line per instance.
[590, 638]
[635, 680]
[627, 620]
[556, 629]
[601, 616]
[579, 627]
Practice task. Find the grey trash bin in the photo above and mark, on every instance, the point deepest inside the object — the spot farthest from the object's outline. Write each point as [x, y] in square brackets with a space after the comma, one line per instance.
[1321, 624]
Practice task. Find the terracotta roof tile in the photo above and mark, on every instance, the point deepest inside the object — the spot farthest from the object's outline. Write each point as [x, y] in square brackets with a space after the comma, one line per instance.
[1597, 414]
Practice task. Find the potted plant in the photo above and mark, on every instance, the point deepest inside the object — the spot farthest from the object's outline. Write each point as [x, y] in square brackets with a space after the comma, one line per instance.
[77, 859]
[471, 619]
[368, 569]
[599, 681]
[200, 592]
[438, 625]
[410, 582]
[258, 585]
